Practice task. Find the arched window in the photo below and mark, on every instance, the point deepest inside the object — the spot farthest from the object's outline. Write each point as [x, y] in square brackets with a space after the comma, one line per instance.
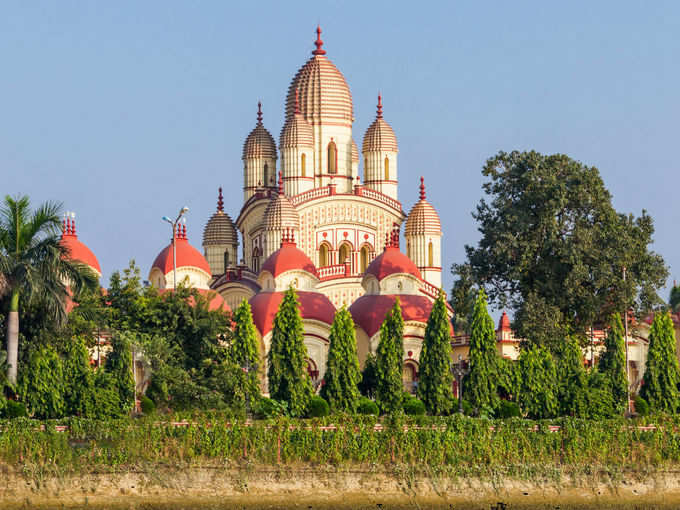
[332, 158]
[266, 175]
[343, 253]
[365, 166]
[408, 249]
[430, 255]
[323, 255]
[226, 259]
[387, 168]
[364, 259]
[409, 377]
[303, 165]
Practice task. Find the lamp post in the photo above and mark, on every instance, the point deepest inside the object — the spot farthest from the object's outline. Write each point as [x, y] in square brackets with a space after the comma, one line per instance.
[460, 370]
[173, 224]
[625, 329]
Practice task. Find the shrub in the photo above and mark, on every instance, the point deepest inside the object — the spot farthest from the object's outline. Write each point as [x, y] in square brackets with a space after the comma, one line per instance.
[641, 406]
[467, 407]
[414, 407]
[317, 408]
[507, 409]
[14, 409]
[367, 406]
[147, 405]
[270, 408]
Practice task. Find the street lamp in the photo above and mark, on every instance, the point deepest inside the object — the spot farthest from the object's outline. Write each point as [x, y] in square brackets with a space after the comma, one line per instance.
[625, 326]
[166, 219]
[460, 370]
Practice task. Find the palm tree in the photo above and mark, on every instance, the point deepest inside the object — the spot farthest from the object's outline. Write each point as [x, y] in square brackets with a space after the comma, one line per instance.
[34, 265]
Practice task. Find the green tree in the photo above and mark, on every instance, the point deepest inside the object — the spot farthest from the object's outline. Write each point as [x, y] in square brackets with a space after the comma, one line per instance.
[674, 298]
[119, 366]
[288, 378]
[369, 377]
[35, 265]
[660, 382]
[549, 228]
[341, 381]
[572, 381]
[244, 351]
[480, 386]
[41, 384]
[613, 364]
[79, 389]
[389, 362]
[435, 383]
[538, 380]
[463, 297]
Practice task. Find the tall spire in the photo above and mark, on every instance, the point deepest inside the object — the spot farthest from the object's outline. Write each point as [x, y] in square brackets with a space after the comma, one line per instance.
[259, 113]
[220, 201]
[318, 43]
[379, 115]
[422, 188]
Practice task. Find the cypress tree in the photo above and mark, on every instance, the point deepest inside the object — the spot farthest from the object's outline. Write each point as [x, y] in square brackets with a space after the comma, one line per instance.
[435, 385]
[244, 351]
[660, 382]
[79, 391]
[613, 363]
[389, 362]
[288, 378]
[572, 381]
[341, 380]
[41, 383]
[480, 386]
[119, 366]
[538, 378]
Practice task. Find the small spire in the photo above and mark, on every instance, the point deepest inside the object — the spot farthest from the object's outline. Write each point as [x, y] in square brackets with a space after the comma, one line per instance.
[297, 101]
[63, 232]
[73, 227]
[422, 188]
[220, 201]
[68, 227]
[292, 236]
[259, 113]
[387, 240]
[395, 235]
[379, 115]
[318, 43]
[280, 183]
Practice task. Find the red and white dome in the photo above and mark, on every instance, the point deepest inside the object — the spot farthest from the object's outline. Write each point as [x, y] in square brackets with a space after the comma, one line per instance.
[324, 95]
[369, 311]
[379, 135]
[77, 250]
[288, 258]
[423, 218]
[187, 256]
[392, 261]
[259, 143]
[313, 306]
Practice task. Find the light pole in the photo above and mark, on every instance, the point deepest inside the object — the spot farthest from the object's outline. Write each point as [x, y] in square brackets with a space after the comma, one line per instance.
[460, 370]
[625, 329]
[173, 224]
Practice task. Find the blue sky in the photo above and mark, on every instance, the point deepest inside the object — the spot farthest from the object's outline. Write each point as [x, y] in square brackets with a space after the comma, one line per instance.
[125, 111]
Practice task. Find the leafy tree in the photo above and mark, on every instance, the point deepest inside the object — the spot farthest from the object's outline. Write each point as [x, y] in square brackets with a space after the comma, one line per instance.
[79, 389]
[549, 229]
[41, 384]
[463, 297]
[342, 377]
[480, 386]
[660, 382]
[389, 362]
[435, 384]
[571, 378]
[369, 377]
[613, 363]
[538, 380]
[33, 264]
[599, 401]
[508, 378]
[119, 366]
[288, 378]
[244, 351]
[674, 299]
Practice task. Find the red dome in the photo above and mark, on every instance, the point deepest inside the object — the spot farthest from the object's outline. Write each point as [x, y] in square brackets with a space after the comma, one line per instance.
[369, 311]
[216, 300]
[77, 250]
[313, 305]
[187, 256]
[288, 258]
[392, 261]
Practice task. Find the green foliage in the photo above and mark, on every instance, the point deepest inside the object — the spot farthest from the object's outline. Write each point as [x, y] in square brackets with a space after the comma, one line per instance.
[538, 382]
[507, 409]
[480, 386]
[389, 362]
[435, 379]
[369, 377]
[14, 409]
[599, 402]
[414, 407]
[147, 405]
[463, 298]
[41, 384]
[549, 230]
[342, 377]
[467, 407]
[613, 364]
[674, 298]
[269, 408]
[245, 352]
[287, 374]
[78, 379]
[318, 407]
[661, 379]
[508, 378]
[571, 378]
[119, 366]
[107, 397]
[641, 406]
[367, 406]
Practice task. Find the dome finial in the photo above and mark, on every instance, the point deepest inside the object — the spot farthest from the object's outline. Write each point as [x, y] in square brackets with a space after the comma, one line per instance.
[379, 115]
[280, 183]
[220, 201]
[297, 101]
[318, 43]
[422, 188]
[259, 112]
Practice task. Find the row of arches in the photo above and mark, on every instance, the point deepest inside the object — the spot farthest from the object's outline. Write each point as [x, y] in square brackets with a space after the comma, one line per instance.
[430, 253]
[344, 253]
[332, 164]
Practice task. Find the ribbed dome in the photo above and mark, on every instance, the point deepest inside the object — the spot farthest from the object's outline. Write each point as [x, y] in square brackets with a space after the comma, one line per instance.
[187, 255]
[296, 131]
[280, 213]
[324, 93]
[355, 152]
[220, 228]
[379, 135]
[423, 218]
[392, 261]
[288, 258]
[259, 143]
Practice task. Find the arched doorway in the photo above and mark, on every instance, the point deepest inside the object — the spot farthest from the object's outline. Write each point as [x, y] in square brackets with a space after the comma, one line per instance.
[344, 252]
[332, 158]
[323, 255]
[364, 258]
[409, 377]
